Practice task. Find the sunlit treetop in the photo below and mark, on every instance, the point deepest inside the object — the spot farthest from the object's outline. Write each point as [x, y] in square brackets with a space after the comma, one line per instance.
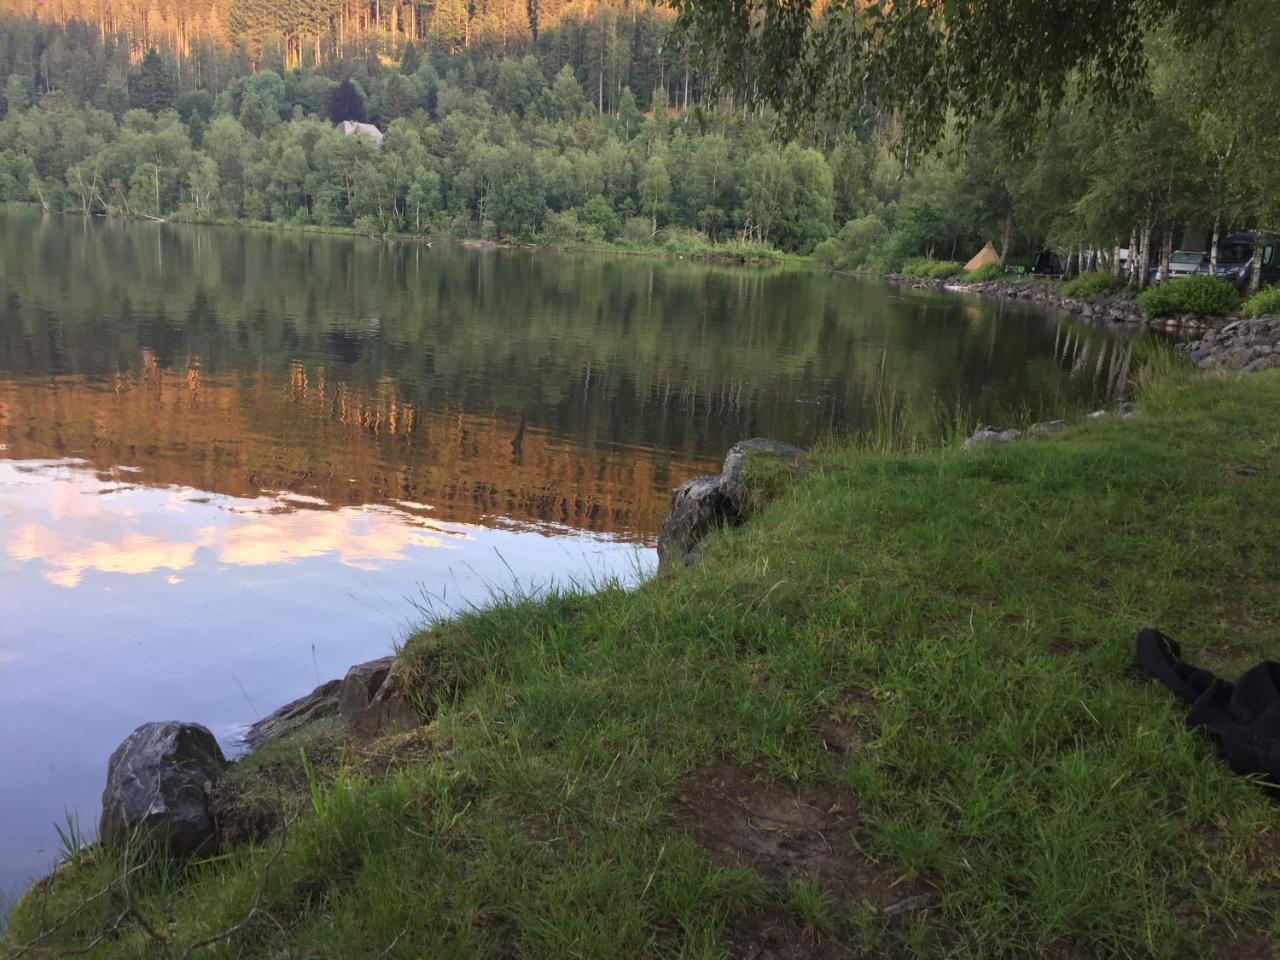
[933, 61]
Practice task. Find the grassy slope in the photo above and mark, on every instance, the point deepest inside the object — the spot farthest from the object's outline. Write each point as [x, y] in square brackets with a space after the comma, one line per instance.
[969, 616]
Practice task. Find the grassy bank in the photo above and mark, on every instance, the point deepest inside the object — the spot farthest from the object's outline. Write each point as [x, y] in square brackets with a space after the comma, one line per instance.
[685, 245]
[895, 715]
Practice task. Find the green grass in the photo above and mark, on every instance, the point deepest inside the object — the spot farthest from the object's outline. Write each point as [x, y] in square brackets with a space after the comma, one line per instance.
[970, 614]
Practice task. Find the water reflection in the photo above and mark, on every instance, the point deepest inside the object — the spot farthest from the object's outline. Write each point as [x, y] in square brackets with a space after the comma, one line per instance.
[231, 461]
[97, 523]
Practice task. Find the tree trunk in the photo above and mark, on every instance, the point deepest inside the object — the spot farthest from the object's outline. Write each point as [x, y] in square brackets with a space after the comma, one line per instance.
[1166, 250]
[1115, 262]
[1255, 265]
[1005, 233]
[1213, 244]
[1133, 256]
[1144, 255]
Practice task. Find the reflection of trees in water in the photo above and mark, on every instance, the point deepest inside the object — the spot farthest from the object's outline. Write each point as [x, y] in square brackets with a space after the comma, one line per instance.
[242, 434]
[670, 360]
[1105, 361]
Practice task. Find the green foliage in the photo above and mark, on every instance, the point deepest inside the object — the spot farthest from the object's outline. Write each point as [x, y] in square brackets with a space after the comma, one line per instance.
[345, 102]
[1265, 301]
[1203, 296]
[984, 274]
[858, 244]
[19, 93]
[1091, 285]
[931, 269]
[997, 61]
[151, 85]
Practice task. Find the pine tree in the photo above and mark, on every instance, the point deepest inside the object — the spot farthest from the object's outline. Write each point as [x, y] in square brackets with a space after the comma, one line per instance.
[398, 98]
[150, 86]
[409, 59]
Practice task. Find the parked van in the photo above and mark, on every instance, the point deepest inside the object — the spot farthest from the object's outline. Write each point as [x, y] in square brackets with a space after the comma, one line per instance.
[1235, 260]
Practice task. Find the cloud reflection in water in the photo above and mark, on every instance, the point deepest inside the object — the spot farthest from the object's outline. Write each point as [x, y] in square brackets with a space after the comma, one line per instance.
[89, 522]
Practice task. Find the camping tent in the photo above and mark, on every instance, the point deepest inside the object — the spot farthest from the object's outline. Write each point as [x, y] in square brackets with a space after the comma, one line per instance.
[984, 256]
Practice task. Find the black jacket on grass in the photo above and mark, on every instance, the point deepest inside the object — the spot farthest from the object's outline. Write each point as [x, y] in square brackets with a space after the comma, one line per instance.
[1243, 716]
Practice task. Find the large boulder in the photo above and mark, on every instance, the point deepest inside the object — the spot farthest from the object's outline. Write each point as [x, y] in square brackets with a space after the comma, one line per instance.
[371, 704]
[319, 703]
[367, 701]
[698, 506]
[158, 785]
[728, 498]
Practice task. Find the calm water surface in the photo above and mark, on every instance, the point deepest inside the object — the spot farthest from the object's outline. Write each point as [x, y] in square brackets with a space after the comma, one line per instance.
[234, 462]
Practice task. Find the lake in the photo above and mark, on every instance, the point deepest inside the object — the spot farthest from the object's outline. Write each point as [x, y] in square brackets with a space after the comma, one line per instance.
[234, 462]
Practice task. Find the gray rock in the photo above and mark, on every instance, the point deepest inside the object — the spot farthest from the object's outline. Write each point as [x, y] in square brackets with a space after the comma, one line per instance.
[1047, 428]
[158, 784]
[1244, 345]
[702, 504]
[740, 453]
[371, 704]
[319, 703]
[698, 506]
[366, 699]
[986, 434]
[1265, 362]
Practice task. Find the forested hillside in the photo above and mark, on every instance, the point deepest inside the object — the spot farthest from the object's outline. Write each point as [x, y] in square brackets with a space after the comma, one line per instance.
[590, 123]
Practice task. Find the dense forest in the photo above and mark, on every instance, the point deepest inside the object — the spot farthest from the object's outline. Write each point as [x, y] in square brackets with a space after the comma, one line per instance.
[591, 124]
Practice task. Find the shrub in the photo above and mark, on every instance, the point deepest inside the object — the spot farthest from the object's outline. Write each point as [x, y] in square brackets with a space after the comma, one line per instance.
[935, 269]
[565, 227]
[984, 273]
[1266, 300]
[856, 245]
[636, 231]
[1091, 285]
[685, 242]
[1201, 295]
[693, 243]
[597, 213]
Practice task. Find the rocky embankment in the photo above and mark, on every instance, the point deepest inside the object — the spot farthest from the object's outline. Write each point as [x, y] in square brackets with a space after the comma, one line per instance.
[161, 779]
[1244, 345]
[1118, 308]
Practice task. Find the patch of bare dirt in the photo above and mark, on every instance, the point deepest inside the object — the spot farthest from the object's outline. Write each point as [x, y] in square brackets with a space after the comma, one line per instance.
[772, 935]
[788, 832]
[1247, 947]
[850, 725]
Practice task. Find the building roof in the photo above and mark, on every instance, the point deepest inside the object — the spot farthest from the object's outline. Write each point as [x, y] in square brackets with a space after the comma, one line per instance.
[368, 129]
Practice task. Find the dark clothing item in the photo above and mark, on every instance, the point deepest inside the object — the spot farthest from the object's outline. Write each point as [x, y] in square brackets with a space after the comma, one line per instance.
[1243, 716]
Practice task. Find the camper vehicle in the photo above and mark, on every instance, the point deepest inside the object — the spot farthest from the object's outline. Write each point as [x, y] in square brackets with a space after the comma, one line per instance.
[1235, 259]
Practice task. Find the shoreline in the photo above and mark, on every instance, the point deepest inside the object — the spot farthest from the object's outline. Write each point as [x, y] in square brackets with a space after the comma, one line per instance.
[769, 257]
[593, 733]
[1117, 309]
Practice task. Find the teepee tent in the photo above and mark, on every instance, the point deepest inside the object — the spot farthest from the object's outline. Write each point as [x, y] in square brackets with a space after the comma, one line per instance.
[984, 256]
